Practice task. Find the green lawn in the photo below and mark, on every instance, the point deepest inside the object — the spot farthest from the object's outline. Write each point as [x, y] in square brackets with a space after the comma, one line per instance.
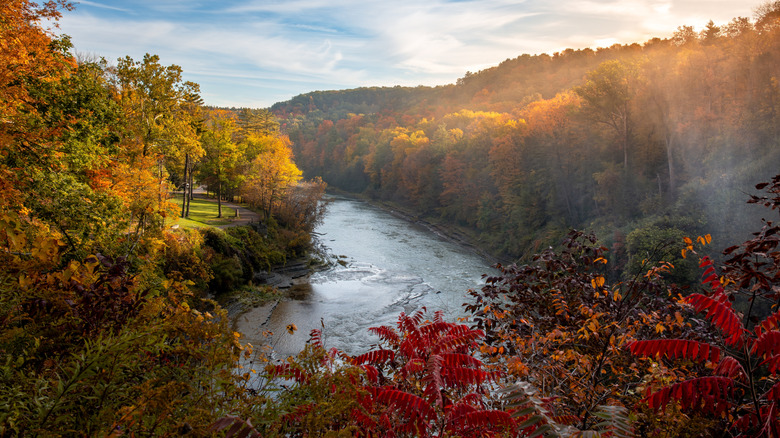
[202, 213]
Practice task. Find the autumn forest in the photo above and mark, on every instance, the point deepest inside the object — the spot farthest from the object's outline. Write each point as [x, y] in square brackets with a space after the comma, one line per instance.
[630, 194]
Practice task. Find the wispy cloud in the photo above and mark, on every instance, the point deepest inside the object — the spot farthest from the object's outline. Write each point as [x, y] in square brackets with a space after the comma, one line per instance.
[253, 53]
[101, 6]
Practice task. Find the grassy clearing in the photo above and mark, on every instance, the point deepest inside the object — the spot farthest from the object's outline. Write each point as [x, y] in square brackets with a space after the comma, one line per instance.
[203, 213]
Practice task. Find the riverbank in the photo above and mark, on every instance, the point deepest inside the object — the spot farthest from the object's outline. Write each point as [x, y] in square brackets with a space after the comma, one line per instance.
[270, 287]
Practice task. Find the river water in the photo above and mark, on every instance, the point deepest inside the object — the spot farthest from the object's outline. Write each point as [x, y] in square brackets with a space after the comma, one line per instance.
[387, 265]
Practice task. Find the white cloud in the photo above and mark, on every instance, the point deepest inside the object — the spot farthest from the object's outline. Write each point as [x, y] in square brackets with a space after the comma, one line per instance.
[295, 46]
[100, 5]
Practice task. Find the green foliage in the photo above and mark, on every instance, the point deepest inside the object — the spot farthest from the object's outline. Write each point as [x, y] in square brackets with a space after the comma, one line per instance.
[87, 350]
[659, 242]
[100, 330]
[183, 258]
[235, 254]
[325, 399]
[227, 273]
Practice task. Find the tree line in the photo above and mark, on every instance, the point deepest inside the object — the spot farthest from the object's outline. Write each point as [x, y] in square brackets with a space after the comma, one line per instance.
[106, 327]
[105, 330]
[664, 135]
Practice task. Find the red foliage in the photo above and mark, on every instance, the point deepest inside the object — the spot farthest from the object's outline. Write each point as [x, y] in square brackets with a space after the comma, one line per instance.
[720, 313]
[374, 357]
[676, 348]
[744, 385]
[434, 381]
[711, 394]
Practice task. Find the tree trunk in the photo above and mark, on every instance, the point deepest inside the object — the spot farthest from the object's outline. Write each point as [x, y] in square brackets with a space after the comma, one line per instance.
[189, 198]
[626, 134]
[670, 163]
[219, 199]
[184, 191]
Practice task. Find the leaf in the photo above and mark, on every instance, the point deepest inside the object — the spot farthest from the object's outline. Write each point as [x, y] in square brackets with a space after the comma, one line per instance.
[413, 366]
[767, 344]
[772, 322]
[315, 337]
[386, 334]
[457, 339]
[460, 359]
[372, 374]
[460, 377]
[411, 323]
[290, 372]
[675, 348]
[481, 420]
[731, 368]
[720, 313]
[773, 363]
[434, 379]
[408, 405]
[522, 402]
[616, 422]
[560, 305]
[708, 394]
[773, 393]
[710, 277]
[376, 357]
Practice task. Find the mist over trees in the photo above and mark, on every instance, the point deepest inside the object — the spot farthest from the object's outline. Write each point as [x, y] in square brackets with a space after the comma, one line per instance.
[668, 134]
[107, 327]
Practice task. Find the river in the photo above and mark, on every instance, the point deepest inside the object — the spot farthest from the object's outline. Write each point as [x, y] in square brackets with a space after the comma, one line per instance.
[387, 265]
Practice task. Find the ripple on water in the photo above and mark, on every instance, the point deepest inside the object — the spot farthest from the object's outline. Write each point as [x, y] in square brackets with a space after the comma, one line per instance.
[391, 266]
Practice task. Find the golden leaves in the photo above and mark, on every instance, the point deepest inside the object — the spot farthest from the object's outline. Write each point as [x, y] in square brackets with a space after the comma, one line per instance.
[701, 240]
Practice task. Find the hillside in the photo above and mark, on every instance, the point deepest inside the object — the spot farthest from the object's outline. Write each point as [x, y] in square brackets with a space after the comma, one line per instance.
[638, 142]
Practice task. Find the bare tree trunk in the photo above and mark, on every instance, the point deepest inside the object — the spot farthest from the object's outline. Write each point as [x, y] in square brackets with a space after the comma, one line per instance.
[670, 162]
[184, 191]
[219, 199]
[626, 134]
[189, 198]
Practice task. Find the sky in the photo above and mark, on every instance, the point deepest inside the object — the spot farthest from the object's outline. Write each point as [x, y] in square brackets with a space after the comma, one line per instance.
[254, 53]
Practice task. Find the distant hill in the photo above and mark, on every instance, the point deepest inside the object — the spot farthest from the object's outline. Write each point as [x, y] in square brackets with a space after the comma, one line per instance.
[631, 140]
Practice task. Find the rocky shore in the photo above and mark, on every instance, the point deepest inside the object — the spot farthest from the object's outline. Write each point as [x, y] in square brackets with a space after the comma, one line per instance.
[286, 276]
[281, 278]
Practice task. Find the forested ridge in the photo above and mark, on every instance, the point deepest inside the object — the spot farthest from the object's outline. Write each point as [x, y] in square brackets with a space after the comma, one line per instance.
[107, 327]
[629, 140]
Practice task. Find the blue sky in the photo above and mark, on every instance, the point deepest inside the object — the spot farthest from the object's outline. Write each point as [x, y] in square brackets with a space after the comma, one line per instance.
[254, 53]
